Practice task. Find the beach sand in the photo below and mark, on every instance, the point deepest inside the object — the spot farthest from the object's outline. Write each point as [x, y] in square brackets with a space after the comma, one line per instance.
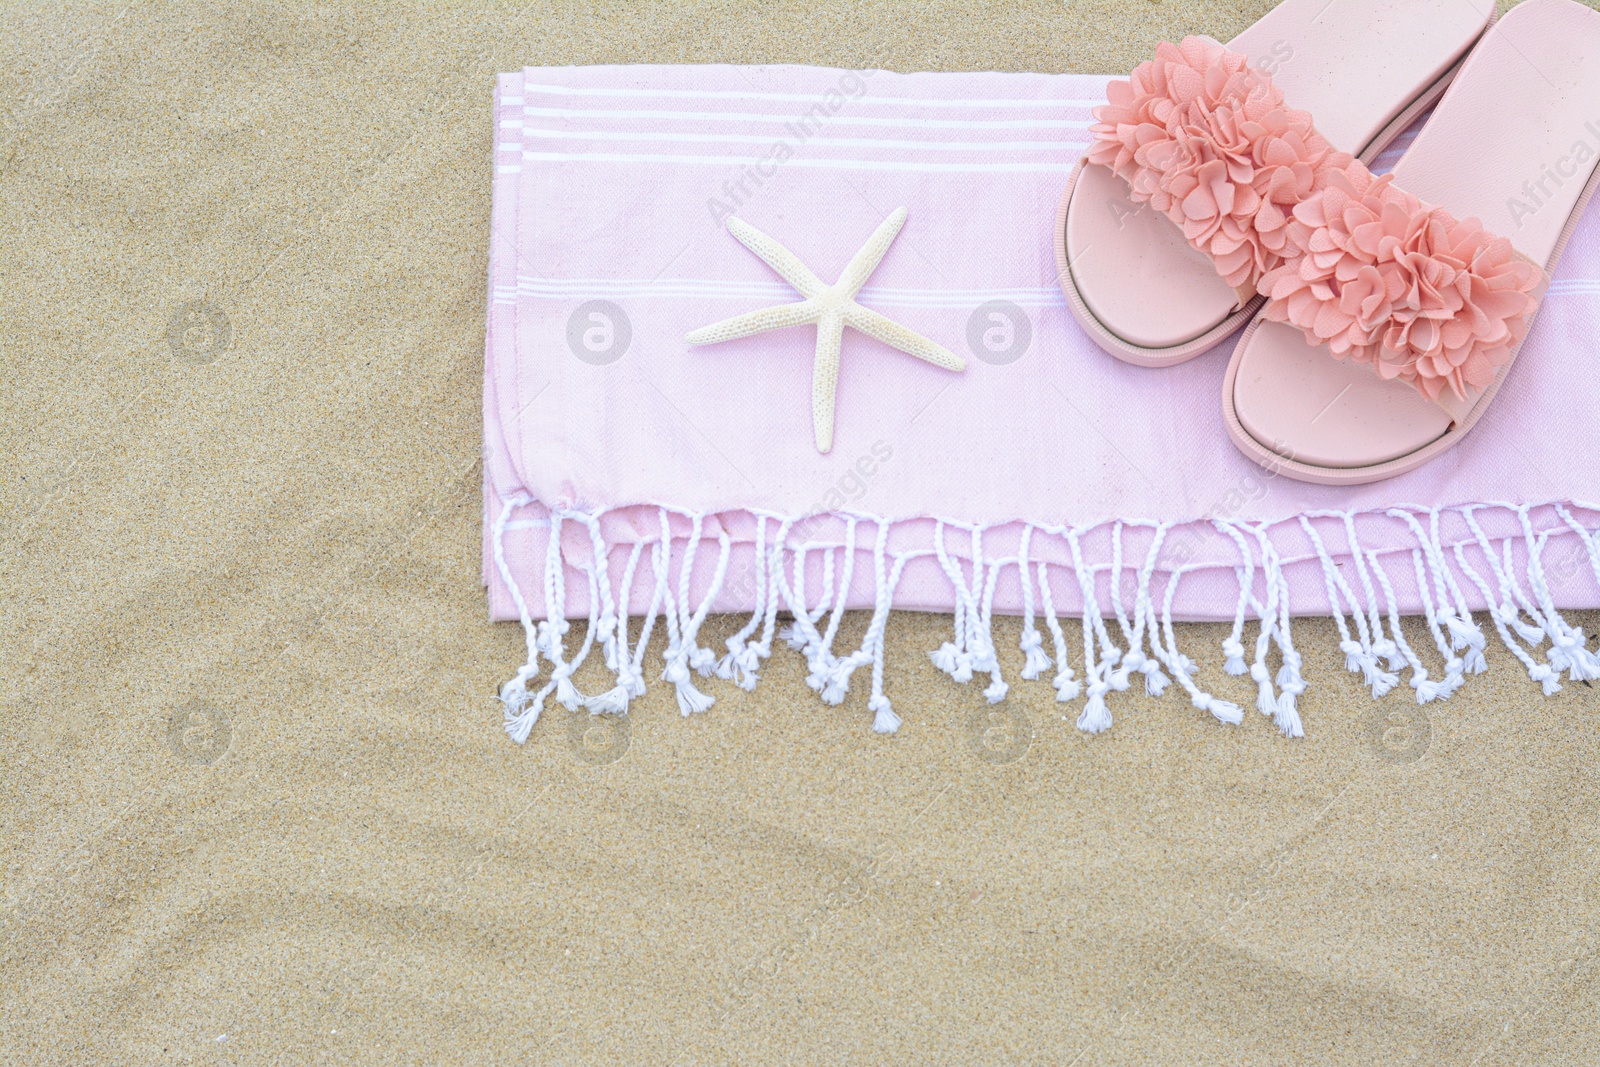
[257, 803]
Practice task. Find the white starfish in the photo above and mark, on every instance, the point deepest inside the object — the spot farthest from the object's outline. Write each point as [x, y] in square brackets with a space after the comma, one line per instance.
[832, 308]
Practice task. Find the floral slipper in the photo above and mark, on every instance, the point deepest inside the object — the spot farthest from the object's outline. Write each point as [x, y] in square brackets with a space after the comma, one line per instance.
[1403, 300]
[1197, 161]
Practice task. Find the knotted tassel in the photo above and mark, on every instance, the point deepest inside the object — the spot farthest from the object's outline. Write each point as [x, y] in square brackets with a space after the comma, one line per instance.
[1266, 696]
[818, 677]
[1234, 650]
[522, 708]
[566, 693]
[704, 661]
[1357, 658]
[1288, 717]
[1136, 662]
[1221, 710]
[1096, 717]
[1155, 682]
[690, 700]
[1547, 677]
[1035, 662]
[613, 701]
[838, 677]
[1568, 652]
[1380, 680]
[1119, 668]
[946, 657]
[1510, 616]
[741, 667]
[1427, 689]
[1465, 636]
[884, 720]
[1292, 684]
[845, 668]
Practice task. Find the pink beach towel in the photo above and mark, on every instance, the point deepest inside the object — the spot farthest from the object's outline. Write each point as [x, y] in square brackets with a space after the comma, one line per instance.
[629, 474]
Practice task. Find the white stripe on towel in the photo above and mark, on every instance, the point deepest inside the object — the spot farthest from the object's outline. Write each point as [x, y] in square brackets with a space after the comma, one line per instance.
[806, 98]
[829, 142]
[832, 120]
[830, 164]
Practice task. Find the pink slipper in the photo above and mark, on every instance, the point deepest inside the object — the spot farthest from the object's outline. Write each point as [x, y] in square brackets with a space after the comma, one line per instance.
[1179, 206]
[1393, 322]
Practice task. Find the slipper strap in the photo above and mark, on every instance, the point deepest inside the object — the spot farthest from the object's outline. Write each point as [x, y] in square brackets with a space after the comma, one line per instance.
[1206, 139]
[1376, 275]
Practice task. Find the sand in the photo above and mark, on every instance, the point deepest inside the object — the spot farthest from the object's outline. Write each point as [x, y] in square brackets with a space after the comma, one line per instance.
[258, 807]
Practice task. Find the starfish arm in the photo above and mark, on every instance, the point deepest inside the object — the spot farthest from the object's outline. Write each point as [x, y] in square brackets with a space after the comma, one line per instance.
[825, 378]
[866, 261]
[895, 335]
[752, 322]
[779, 258]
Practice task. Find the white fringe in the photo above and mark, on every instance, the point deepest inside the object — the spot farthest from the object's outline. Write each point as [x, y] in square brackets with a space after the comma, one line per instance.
[1097, 669]
[1455, 669]
[1548, 679]
[1291, 682]
[743, 660]
[1387, 647]
[1427, 689]
[1183, 668]
[987, 659]
[1066, 683]
[630, 677]
[1267, 700]
[1135, 660]
[884, 720]
[954, 657]
[608, 614]
[1035, 662]
[521, 707]
[1361, 655]
[1452, 614]
[1569, 647]
[1360, 591]
[691, 701]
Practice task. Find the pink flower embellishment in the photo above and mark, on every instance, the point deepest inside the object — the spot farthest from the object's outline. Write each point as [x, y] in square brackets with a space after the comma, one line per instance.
[1377, 276]
[1206, 139]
